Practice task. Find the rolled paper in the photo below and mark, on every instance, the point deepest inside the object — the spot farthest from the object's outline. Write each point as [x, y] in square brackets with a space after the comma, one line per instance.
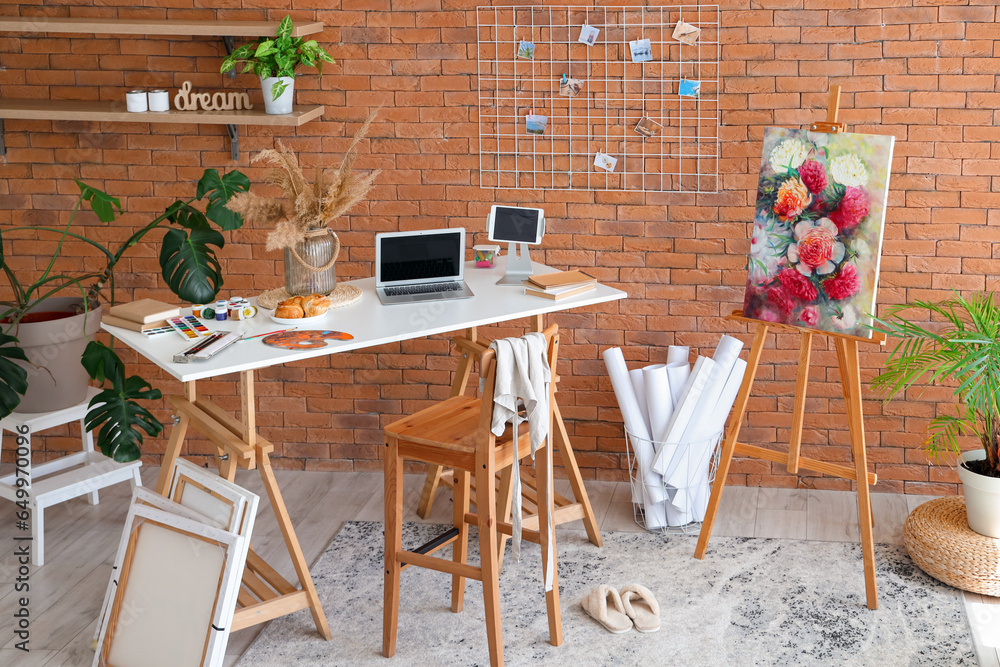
[677, 374]
[659, 402]
[639, 388]
[639, 437]
[717, 422]
[701, 427]
[681, 417]
[678, 353]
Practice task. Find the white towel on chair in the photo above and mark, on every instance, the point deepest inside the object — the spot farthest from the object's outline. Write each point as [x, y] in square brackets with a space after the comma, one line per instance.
[523, 376]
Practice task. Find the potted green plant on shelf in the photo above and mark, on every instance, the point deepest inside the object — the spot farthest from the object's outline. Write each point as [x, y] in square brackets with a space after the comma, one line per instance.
[47, 349]
[274, 60]
[964, 350]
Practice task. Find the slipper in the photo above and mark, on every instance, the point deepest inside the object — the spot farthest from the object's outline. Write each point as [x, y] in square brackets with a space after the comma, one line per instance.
[612, 616]
[641, 606]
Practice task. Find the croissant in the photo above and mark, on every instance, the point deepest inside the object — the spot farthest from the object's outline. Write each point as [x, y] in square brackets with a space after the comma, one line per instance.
[315, 304]
[290, 311]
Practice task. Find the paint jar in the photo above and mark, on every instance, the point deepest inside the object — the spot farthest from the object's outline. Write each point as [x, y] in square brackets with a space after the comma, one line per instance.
[245, 311]
[135, 101]
[197, 309]
[159, 100]
[221, 310]
[486, 255]
[234, 306]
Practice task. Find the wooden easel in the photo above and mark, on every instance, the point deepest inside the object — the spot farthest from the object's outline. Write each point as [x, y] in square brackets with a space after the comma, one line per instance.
[471, 348]
[265, 594]
[850, 374]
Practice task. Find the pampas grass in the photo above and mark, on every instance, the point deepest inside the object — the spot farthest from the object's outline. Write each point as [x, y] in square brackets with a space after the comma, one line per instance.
[305, 206]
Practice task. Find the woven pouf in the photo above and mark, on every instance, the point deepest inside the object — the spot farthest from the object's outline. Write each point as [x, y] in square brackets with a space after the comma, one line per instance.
[940, 542]
[342, 295]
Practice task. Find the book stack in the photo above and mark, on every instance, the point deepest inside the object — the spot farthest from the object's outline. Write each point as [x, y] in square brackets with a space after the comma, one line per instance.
[560, 285]
[145, 315]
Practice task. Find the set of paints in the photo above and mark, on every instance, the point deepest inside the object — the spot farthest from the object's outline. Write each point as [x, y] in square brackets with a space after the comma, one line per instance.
[236, 308]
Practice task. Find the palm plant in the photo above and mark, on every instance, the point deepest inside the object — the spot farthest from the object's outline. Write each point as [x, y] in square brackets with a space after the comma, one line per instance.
[965, 348]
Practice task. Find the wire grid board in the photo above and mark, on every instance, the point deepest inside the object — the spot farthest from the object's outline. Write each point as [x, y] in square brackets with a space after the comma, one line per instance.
[617, 93]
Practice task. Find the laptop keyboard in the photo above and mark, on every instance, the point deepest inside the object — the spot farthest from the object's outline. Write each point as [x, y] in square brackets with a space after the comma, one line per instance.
[423, 289]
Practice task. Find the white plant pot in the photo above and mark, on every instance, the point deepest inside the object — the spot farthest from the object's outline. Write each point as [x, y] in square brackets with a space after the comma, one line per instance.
[283, 104]
[982, 497]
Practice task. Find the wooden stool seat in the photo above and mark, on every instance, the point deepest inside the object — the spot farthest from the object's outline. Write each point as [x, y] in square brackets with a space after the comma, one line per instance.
[453, 425]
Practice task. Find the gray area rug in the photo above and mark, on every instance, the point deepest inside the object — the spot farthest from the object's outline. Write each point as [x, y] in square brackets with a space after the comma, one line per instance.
[749, 602]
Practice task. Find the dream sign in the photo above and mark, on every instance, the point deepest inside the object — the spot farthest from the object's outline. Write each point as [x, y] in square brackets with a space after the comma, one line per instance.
[185, 100]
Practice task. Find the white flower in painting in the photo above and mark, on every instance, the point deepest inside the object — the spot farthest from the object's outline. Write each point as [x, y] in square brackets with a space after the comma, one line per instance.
[861, 251]
[849, 169]
[816, 247]
[789, 154]
[764, 258]
[847, 320]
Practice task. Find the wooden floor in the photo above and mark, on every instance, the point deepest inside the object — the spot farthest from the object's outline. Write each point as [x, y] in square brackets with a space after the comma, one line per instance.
[66, 592]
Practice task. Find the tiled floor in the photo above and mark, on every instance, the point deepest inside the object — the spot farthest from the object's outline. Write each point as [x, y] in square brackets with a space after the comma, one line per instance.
[80, 544]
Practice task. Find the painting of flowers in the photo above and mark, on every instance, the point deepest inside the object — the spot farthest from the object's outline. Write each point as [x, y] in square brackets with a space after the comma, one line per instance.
[817, 233]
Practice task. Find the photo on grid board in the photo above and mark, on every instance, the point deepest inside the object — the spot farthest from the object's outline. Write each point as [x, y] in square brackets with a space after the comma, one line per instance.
[689, 88]
[642, 50]
[605, 161]
[648, 127]
[817, 234]
[526, 50]
[588, 35]
[570, 87]
[535, 123]
[686, 33]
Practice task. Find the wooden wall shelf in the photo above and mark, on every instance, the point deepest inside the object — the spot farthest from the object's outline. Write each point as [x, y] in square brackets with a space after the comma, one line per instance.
[92, 26]
[110, 111]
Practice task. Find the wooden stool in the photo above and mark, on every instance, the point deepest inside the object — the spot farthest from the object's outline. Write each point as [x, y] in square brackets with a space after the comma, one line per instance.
[70, 476]
[940, 542]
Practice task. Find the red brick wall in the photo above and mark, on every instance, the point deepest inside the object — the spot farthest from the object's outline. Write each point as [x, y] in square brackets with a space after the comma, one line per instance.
[923, 70]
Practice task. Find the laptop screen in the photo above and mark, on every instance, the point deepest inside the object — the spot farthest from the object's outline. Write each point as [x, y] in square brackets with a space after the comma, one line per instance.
[421, 257]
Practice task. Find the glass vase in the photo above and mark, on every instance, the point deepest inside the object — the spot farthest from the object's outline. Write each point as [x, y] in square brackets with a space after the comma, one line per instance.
[310, 267]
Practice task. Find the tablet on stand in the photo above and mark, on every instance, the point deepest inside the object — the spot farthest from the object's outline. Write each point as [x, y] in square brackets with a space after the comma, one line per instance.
[519, 227]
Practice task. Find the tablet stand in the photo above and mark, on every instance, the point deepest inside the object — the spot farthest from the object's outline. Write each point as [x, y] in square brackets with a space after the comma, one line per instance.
[518, 266]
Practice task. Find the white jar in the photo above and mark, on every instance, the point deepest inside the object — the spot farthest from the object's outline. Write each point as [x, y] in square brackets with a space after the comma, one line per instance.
[159, 100]
[135, 101]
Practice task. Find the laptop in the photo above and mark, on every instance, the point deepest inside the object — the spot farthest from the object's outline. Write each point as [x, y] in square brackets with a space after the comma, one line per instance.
[426, 265]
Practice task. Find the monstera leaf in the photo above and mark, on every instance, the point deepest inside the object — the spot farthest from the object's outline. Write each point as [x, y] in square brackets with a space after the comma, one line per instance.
[114, 414]
[189, 264]
[13, 378]
[187, 216]
[104, 205]
[220, 190]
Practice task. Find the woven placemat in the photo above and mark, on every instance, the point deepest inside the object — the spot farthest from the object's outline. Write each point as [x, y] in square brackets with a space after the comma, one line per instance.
[342, 295]
[940, 542]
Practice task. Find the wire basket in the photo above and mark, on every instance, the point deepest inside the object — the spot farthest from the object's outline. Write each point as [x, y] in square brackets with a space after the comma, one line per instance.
[675, 502]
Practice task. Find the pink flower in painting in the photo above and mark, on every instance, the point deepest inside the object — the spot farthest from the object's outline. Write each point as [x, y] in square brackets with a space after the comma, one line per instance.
[810, 315]
[768, 315]
[778, 298]
[852, 210]
[816, 248]
[843, 285]
[813, 175]
[798, 285]
[792, 199]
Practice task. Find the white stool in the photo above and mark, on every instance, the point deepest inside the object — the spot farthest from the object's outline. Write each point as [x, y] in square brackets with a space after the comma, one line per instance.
[68, 477]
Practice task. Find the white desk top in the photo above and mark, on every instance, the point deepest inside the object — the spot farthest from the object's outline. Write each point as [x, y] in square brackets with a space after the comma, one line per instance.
[368, 321]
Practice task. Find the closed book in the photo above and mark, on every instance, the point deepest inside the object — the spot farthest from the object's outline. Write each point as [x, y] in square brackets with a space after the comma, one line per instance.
[562, 279]
[144, 311]
[130, 325]
[555, 295]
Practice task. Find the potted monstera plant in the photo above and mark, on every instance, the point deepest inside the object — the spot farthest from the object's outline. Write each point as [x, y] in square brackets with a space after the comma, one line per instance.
[961, 349]
[274, 60]
[47, 349]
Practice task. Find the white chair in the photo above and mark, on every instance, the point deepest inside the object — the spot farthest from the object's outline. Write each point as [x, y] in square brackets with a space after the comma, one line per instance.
[71, 476]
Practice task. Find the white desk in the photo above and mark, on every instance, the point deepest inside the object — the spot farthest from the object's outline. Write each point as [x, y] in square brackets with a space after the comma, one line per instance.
[267, 595]
[368, 321]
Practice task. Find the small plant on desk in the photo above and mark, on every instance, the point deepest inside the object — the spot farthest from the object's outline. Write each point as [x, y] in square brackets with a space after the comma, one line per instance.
[190, 269]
